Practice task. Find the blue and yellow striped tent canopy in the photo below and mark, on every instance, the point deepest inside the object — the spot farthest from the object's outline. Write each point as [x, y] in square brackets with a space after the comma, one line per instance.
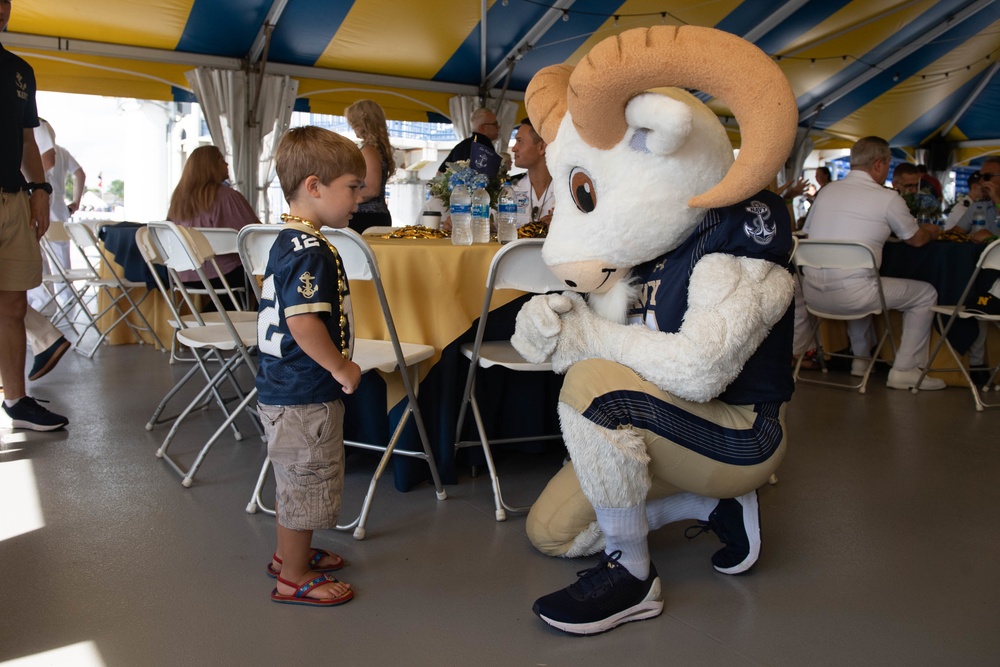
[917, 72]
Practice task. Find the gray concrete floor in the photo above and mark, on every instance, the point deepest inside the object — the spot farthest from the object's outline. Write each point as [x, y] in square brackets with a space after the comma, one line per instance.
[879, 547]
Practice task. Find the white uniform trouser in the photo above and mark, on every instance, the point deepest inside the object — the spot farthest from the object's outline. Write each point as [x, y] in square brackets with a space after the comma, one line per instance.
[843, 296]
[41, 334]
[39, 296]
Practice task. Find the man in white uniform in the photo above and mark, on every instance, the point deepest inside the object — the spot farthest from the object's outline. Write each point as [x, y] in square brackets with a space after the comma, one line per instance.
[859, 208]
[58, 162]
[47, 343]
[532, 189]
[984, 195]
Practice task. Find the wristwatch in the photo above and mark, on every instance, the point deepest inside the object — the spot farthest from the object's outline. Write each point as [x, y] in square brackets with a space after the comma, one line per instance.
[45, 187]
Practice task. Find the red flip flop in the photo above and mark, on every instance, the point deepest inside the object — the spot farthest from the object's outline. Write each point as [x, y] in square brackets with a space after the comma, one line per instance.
[299, 596]
[318, 555]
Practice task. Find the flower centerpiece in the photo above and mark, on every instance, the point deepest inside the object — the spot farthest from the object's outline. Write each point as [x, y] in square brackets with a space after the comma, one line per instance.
[460, 172]
[923, 205]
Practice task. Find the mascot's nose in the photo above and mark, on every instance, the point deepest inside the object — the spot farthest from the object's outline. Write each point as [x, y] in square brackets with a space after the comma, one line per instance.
[590, 276]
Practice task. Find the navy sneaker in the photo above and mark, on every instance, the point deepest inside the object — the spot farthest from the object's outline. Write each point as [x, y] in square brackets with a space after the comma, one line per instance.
[604, 597]
[47, 360]
[27, 413]
[736, 521]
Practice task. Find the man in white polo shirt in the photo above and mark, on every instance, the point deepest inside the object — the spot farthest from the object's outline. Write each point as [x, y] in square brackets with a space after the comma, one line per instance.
[859, 208]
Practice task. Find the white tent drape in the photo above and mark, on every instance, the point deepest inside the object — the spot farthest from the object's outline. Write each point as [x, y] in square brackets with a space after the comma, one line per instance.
[247, 136]
[507, 117]
[461, 107]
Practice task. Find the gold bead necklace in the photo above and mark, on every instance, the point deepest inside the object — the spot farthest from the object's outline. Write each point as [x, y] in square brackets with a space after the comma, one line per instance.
[341, 283]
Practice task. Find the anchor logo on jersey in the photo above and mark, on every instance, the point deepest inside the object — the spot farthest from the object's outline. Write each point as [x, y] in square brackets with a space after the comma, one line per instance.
[308, 290]
[759, 229]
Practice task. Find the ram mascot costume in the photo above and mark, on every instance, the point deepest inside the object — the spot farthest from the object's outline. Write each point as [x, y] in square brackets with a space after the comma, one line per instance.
[677, 361]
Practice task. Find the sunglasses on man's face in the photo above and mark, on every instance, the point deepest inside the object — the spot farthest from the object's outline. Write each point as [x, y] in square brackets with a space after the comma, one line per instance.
[986, 177]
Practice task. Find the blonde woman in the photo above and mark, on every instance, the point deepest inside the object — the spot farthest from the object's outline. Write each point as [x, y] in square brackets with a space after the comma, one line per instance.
[367, 120]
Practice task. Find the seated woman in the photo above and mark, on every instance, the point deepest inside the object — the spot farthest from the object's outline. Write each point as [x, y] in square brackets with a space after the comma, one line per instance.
[367, 120]
[202, 199]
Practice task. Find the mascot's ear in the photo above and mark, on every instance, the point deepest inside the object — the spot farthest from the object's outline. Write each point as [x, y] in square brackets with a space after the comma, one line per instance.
[660, 124]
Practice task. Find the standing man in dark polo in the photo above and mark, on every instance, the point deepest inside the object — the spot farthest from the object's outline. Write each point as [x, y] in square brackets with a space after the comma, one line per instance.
[485, 130]
[24, 219]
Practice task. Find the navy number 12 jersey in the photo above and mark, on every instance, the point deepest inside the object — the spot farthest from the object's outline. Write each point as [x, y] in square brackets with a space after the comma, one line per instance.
[301, 277]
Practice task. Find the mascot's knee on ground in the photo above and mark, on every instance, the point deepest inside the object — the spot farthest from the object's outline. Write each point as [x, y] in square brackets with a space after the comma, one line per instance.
[677, 361]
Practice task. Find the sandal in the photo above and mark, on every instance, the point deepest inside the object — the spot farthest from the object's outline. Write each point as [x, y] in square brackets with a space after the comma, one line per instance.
[318, 555]
[299, 596]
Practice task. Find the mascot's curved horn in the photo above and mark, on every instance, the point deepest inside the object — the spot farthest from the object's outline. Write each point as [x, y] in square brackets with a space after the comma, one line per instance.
[596, 92]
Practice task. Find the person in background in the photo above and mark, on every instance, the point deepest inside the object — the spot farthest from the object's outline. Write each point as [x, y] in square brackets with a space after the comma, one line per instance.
[24, 219]
[58, 163]
[906, 178]
[822, 177]
[202, 199]
[982, 197]
[306, 333]
[858, 208]
[485, 130]
[367, 119]
[532, 189]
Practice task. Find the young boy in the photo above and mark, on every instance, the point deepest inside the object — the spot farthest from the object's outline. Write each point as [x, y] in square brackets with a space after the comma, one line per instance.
[304, 339]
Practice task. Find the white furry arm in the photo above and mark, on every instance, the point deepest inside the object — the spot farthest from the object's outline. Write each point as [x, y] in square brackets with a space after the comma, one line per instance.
[732, 304]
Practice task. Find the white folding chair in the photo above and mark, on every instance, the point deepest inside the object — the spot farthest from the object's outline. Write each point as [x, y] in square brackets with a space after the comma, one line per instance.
[179, 321]
[183, 249]
[848, 255]
[947, 316]
[387, 356]
[85, 241]
[224, 242]
[61, 282]
[517, 266]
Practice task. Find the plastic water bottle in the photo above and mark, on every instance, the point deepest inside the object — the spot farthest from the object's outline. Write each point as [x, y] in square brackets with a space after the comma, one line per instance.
[461, 215]
[480, 216]
[507, 207]
[978, 220]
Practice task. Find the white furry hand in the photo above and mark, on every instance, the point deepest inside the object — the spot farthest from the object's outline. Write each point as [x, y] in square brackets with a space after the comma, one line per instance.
[536, 330]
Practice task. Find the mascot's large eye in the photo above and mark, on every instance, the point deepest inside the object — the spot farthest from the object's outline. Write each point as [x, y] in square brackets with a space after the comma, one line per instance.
[581, 186]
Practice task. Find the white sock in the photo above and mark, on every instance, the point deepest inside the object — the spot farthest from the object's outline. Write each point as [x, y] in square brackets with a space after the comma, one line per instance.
[10, 402]
[679, 507]
[626, 530]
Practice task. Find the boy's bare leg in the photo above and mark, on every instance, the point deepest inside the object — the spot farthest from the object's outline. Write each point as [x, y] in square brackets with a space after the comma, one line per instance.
[295, 549]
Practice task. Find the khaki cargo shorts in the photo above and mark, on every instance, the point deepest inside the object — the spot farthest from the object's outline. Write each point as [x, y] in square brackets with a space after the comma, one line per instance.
[306, 447]
[20, 254]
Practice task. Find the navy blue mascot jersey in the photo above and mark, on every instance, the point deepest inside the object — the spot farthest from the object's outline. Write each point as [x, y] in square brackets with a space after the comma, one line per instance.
[758, 228]
[301, 277]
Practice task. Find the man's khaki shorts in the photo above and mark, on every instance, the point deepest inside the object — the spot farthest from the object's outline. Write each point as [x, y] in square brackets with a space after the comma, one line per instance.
[20, 255]
[306, 447]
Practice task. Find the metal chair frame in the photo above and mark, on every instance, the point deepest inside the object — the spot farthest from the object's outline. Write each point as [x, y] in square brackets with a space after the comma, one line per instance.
[184, 249]
[82, 236]
[518, 265]
[849, 255]
[947, 316]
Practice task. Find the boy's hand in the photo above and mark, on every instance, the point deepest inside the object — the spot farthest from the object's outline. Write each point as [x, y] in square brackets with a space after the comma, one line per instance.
[349, 377]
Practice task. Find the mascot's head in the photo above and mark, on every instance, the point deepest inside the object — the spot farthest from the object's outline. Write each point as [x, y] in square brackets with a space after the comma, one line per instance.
[634, 171]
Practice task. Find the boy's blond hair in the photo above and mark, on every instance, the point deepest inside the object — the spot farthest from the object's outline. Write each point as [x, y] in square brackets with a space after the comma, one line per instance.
[314, 151]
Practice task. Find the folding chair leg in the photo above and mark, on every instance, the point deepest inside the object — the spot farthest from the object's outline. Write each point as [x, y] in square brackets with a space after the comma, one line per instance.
[255, 500]
[501, 507]
[189, 477]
